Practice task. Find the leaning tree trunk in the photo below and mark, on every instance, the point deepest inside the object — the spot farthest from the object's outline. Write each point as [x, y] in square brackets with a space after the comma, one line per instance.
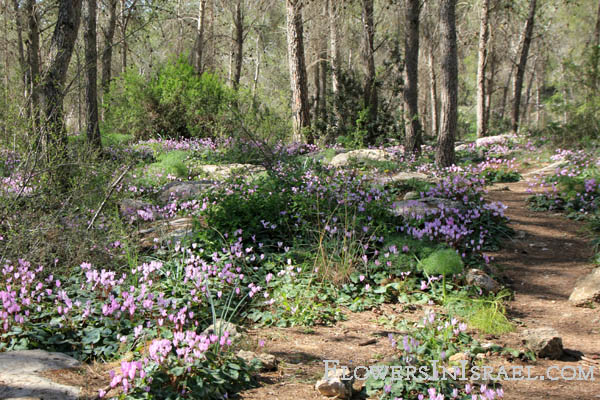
[91, 69]
[109, 34]
[300, 106]
[596, 53]
[20, 48]
[411, 93]
[53, 84]
[449, 91]
[370, 90]
[481, 64]
[196, 55]
[518, 83]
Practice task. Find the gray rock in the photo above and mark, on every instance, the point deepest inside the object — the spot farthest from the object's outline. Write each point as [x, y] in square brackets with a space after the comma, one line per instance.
[221, 326]
[268, 361]
[402, 177]
[412, 196]
[130, 207]
[587, 289]
[479, 278]
[547, 170]
[332, 384]
[425, 206]
[342, 160]
[225, 171]
[183, 190]
[19, 377]
[544, 342]
[174, 230]
[490, 140]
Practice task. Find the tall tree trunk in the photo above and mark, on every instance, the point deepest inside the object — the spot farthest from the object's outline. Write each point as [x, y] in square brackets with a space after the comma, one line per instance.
[411, 92]
[449, 94]
[196, 55]
[481, 64]
[107, 52]
[489, 89]
[433, 96]
[33, 62]
[322, 106]
[91, 69]
[239, 44]
[596, 52]
[20, 49]
[505, 92]
[370, 90]
[518, 83]
[53, 83]
[297, 64]
[334, 13]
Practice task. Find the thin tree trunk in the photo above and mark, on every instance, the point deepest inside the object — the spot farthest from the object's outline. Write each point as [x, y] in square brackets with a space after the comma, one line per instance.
[33, 61]
[433, 96]
[196, 55]
[481, 64]
[109, 34]
[53, 82]
[449, 93]
[297, 64]
[411, 92]
[334, 11]
[505, 92]
[91, 69]
[525, 116]
[322, 105]
[239, 44]
[518, 83]
[20, 49]
[596, 53]
[370, 90]
[490, 87]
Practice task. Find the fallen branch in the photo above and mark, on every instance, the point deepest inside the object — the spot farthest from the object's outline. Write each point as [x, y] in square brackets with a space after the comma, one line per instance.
[110, 192]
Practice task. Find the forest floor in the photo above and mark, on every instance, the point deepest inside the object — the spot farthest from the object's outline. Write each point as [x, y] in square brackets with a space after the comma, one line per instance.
[541, 266]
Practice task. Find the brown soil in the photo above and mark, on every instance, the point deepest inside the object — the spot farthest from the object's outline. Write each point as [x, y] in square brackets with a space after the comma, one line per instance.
[541, 265]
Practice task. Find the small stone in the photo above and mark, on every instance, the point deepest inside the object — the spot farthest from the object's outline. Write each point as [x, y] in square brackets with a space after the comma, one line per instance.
[479, 278]
[587, 289]
[183, 190]
[221, 326]
[267, 361]
[412, 196]
[456, 357]
[544, 342]
[342, 160]
[337, 382]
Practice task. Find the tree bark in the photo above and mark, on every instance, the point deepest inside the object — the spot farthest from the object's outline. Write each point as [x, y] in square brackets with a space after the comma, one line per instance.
[596, 52]
[20, 49]
[239, 43]
[297, 64]
[518, 83]
[481, 64]
[107, 52]
[33, 62]
[449, 92]
[196, 55]
[412, 125]
[433, 96]
[370, 90]
[91, 69]
[53, 82]
[334, 12]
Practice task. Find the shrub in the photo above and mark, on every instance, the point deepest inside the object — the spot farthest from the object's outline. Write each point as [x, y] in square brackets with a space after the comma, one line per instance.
[174, 102]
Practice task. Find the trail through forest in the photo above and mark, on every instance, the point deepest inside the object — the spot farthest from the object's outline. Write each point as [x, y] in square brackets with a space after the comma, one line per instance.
[540, 264]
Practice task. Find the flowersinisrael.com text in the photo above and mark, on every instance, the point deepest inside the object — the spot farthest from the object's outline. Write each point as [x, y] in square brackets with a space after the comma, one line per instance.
[436, 372]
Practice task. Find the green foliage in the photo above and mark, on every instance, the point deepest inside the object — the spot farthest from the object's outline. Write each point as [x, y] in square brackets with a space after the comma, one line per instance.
[487, 314]
[174, 102]
[443, 262]
[500, 175]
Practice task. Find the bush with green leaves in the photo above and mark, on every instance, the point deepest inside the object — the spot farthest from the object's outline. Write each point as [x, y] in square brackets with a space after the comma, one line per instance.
[173, 102]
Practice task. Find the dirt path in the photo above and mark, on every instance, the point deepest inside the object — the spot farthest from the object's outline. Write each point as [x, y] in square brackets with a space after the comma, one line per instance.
[541, 265]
